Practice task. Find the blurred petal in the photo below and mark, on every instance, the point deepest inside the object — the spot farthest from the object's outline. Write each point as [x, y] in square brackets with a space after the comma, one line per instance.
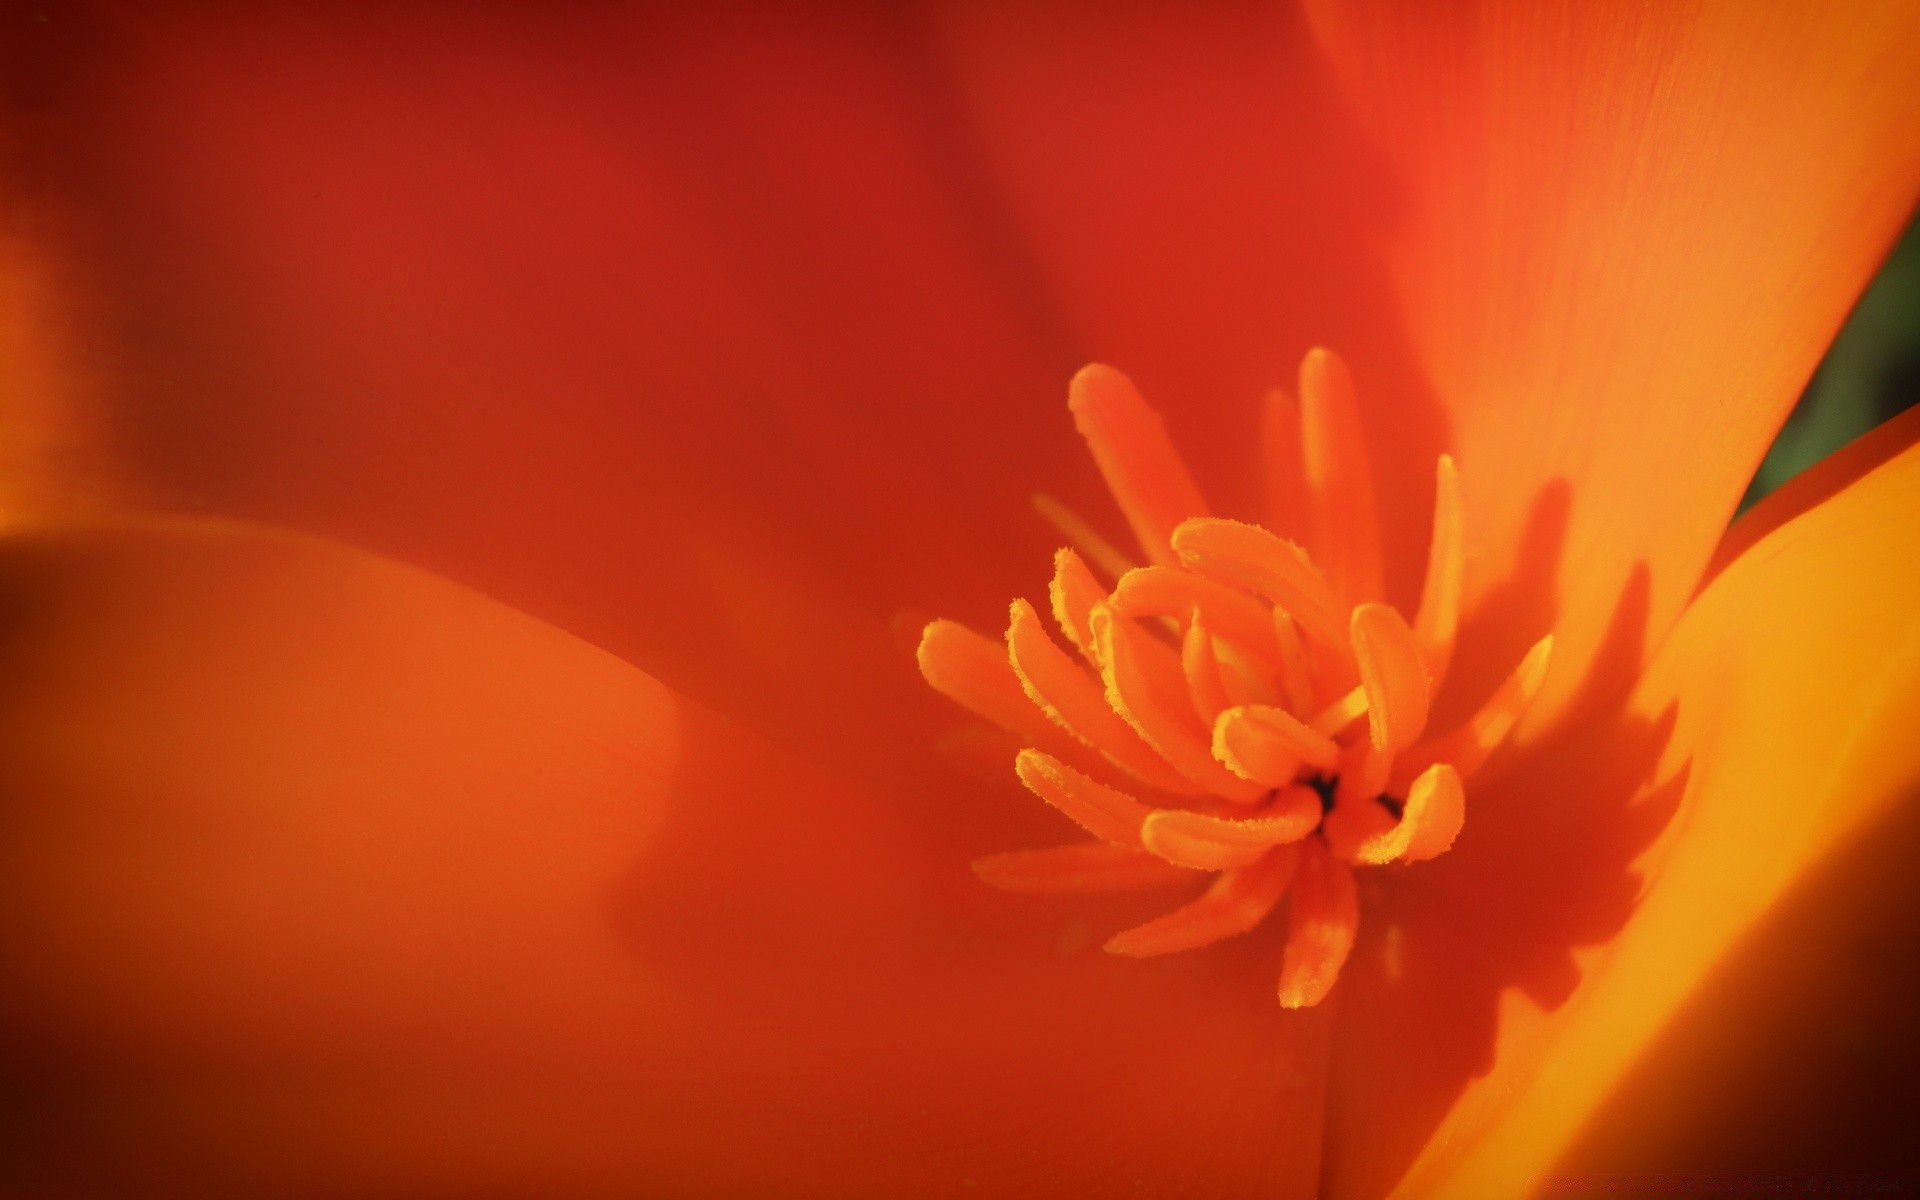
[49, 457]
[318, 868]
[1774, 729]
[685, 329]
[1629, 232]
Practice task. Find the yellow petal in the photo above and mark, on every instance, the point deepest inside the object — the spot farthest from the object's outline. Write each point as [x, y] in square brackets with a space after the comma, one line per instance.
[1777, 728]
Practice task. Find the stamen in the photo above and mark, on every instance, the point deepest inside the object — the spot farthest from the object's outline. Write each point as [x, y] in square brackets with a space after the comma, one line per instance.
[1131, 448]
[1153, 700]
[1269, 745]
[1202, 669]
[1073, 700]
[1237, 901]
[1332, 721]
[1356, 820]
[1107, 814]
[1082, 867]
[1322, 918]
[1073, 593]
[1202, 854]
[972, 671]
[1249, 557]
[1082, 536]
[1436, 809]
[1171, 592]
[1296, 668]
[1468, 746]
[1294, 813]
[1392, 675]
[1363, 772]
[1339, 484]
[1246, 680]
[1253, 701]
[1438, 620]
[1287, 506]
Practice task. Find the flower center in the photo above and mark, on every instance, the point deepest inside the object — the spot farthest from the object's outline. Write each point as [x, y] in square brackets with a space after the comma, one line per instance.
[1236, 706]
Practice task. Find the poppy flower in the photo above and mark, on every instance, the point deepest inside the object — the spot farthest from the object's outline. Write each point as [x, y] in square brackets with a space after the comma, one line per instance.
[507, 771]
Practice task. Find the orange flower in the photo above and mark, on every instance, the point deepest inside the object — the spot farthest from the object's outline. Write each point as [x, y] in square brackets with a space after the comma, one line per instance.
[709, 345]
[1252, 729]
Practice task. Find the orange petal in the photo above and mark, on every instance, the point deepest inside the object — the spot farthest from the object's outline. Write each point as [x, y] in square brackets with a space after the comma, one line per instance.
[296, 834]
[1239, 900]
[319, 867]
[1773, 730]
[1142, 469]
[1322, 918]
[1077, 702]
[1619, 267]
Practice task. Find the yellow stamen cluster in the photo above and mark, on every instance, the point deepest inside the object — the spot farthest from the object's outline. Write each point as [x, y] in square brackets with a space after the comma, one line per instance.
[1225, 685]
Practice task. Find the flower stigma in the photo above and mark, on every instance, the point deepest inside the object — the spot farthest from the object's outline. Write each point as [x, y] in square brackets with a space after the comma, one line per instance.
[1233, 707]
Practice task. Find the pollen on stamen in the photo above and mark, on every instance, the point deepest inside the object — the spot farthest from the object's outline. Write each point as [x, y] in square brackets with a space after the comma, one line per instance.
[1241, 707]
